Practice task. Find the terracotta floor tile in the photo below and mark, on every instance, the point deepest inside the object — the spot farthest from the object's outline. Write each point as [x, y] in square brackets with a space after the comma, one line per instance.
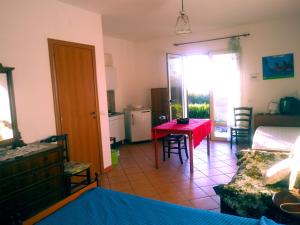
[218, 210]
[205, 203]
[145, 191]
[185, 203]
[184, 185]
[173, 182]
[197, 174]
[172, 198]
[203, 182]
[132, 170]
[209, 190]
[116, 173]
[135, 177]
[216, 198]
[211, 172]
[119, 179]
[220, 179]
[120, 185]
[194, 193]
[227, 169]
[125, 189]
[230, 175]
[167, 190]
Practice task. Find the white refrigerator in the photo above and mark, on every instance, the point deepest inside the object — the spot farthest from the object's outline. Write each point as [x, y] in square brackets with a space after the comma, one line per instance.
[138, 125]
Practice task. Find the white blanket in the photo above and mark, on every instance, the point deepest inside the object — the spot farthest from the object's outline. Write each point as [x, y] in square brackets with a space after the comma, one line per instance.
[275, 138]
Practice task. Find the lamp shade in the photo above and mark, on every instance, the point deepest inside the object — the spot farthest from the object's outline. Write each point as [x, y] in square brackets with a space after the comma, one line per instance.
[183, 24]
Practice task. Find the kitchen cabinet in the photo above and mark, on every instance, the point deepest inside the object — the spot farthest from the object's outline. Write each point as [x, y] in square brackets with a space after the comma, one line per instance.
[117, 127]
[110, 74]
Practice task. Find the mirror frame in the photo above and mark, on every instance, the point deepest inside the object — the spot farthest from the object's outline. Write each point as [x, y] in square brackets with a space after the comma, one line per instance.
[16, 141]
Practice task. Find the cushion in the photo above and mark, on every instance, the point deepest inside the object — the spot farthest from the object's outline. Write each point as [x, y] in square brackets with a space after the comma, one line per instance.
[277, 172]
[72, 168]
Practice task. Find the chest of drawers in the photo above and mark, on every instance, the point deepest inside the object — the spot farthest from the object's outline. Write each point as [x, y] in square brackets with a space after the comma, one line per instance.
[30, 182]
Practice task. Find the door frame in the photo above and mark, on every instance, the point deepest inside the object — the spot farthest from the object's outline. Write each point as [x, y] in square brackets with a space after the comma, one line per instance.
[57, 109]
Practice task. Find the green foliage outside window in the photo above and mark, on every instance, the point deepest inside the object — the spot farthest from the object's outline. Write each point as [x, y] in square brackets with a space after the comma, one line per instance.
[176, 111]
[195, 110]
[199, 110]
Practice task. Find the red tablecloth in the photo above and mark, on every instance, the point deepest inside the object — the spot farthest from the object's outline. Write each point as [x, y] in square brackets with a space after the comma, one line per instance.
[199, 127]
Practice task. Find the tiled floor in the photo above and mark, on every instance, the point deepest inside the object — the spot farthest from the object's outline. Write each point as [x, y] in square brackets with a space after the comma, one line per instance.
[172, 182]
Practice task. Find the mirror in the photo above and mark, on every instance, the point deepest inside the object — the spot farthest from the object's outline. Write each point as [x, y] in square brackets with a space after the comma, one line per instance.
[9, 133]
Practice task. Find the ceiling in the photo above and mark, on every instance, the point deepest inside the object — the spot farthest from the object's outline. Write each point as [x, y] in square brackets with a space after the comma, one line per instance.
[148, 19]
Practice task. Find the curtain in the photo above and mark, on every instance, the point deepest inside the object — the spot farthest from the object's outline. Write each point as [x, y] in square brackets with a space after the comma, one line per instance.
[225, 87]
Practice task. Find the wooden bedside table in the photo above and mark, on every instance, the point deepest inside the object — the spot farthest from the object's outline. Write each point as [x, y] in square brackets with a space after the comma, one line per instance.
[288, 213]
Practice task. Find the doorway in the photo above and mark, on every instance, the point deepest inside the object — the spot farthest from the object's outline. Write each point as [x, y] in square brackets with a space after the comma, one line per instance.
[74, 85]
[205, 86]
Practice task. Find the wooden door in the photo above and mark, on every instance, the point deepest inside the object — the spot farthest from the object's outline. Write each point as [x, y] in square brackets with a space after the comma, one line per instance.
[75, 98]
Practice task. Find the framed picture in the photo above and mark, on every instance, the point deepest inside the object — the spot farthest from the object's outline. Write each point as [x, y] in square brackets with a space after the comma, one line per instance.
[278, 66]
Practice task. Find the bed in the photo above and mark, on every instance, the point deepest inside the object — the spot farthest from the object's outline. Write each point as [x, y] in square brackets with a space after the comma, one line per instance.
[275, 132]
[101, 206]
[275, 138]
[247, 194]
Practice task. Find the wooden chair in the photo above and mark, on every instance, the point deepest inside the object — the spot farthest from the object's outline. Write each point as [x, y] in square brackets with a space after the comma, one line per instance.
[71, 168]
[242, 125]
[173, 142]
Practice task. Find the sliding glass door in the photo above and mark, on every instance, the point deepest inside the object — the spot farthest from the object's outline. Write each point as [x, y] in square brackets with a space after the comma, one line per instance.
[205, 86]
[225, 93]
[176, 86]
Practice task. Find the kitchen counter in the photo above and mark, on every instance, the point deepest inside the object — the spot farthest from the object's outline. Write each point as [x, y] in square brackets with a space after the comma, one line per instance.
[111, 114]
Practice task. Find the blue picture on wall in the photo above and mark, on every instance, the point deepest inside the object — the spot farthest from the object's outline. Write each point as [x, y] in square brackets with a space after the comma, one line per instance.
[278, 66]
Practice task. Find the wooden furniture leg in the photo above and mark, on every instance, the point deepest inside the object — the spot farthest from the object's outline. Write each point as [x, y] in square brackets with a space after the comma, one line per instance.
[208, 144]
[156, 150]
[191, 148]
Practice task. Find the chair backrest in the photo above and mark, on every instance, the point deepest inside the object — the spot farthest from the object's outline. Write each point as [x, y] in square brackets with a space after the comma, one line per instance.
[243, 116]
[61, 140]
[162, 119]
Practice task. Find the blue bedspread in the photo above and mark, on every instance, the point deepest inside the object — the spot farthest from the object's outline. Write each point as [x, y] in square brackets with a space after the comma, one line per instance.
[101, 206]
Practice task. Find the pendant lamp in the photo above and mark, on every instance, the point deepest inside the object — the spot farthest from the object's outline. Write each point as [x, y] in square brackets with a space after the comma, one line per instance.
[182, 23]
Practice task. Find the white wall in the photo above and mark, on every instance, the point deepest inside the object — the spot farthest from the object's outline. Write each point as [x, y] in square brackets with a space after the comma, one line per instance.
[268, 38]
[25, 27]
[127, 80]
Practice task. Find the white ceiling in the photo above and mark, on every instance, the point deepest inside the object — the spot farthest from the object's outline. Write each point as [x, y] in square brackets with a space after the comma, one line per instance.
[147, 19]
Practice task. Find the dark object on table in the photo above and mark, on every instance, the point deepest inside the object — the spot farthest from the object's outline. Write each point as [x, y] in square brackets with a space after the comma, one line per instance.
[289, 106]
[183, 120]
[242, 125]
[288, 202]
[173, 141]
[71, 168]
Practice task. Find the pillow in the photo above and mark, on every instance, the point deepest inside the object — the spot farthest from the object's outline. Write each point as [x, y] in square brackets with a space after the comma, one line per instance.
[295, 165]
[277, 172]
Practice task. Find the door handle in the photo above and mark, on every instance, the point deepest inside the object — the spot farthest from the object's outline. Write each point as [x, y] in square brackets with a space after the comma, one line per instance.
[93, 114]
[172, 101]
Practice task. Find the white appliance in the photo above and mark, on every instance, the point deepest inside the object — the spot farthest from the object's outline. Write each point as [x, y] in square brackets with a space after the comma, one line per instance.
[138, 124]
[117, 127]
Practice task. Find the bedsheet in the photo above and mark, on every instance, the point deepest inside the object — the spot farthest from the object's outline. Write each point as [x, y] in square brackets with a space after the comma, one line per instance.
[275, 138]
[100, 206]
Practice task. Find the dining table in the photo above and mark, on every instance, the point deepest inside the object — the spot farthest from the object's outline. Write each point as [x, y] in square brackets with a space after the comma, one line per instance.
[196, 129]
